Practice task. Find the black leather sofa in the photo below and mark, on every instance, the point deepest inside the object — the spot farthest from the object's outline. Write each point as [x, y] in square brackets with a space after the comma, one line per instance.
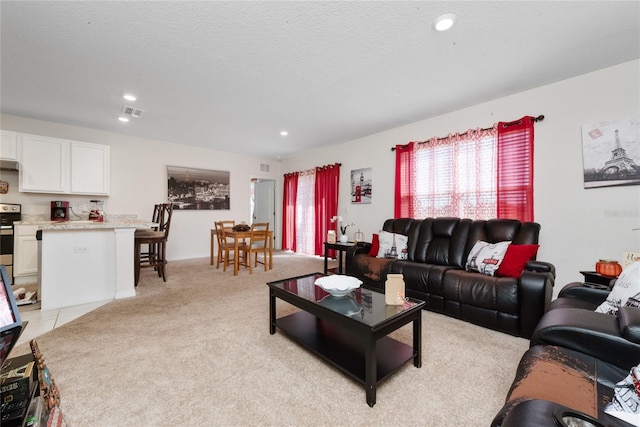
[434, 271]
[575, 359]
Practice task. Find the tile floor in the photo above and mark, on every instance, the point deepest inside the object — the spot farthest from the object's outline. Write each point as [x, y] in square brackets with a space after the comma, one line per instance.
[41, 321]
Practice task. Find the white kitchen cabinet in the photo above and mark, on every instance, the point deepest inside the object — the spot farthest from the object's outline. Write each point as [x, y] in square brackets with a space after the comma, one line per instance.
[60, 166]
[90, 168]
[44, 164]
[25, 251]
[8, 145]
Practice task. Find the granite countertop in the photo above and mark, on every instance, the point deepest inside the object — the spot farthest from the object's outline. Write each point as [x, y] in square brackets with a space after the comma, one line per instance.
[88, 225]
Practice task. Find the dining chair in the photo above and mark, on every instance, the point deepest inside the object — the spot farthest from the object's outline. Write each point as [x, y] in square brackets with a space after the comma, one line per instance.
[216, 235]
[228, 247]
[258, 242]
[156, 241]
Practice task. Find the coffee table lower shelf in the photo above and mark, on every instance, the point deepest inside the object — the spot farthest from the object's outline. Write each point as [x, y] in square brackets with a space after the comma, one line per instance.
[343, 349]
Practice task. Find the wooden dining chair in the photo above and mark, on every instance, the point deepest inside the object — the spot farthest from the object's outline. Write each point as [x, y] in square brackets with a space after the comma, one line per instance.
[216, 235]
[156, 241]
[258, 242]
[228, 247]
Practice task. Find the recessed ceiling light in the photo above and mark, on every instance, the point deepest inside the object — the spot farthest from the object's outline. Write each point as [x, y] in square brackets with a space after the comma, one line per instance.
[129, 97]
[444, 22]
[284, 133]
[123, 119]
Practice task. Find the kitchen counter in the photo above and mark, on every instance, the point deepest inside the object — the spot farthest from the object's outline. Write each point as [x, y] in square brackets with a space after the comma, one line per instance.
[85, 261]
[85, 225]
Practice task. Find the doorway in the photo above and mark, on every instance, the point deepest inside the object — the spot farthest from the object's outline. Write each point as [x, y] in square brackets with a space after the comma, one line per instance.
[263, 202]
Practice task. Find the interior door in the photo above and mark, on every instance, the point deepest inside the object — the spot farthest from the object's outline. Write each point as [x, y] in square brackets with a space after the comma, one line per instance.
[264, 209]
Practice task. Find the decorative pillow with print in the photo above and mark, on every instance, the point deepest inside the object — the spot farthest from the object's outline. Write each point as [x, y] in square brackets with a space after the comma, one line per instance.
[627, 286]
[375, 245]
[392, 245]
[486, 257]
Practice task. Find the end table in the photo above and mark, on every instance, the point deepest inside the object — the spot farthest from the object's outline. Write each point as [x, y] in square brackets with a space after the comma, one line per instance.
[341, 248]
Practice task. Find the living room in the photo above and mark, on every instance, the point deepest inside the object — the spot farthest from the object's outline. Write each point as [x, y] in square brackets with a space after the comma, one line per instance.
[563, 207]
[579, 225]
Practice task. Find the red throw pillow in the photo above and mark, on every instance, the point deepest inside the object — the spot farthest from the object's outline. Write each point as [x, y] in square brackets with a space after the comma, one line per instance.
[515, 259]
[375, 245]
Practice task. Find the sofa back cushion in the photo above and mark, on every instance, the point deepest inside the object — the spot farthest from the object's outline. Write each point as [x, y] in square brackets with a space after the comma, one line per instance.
[500, 230]
[438, 241]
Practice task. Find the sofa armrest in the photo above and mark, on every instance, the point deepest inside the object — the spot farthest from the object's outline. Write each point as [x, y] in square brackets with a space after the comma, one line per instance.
[536, 290]
[629, 323]
[359, 248]
[540, 267]
[591, 333]
[590, 292]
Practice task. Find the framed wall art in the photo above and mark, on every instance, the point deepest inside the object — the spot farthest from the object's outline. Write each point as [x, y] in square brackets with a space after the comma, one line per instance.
[197, 189]
[361, 185]
[611, 153]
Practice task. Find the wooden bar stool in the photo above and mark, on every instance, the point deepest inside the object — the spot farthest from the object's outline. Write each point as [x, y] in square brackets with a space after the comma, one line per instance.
[156, 241]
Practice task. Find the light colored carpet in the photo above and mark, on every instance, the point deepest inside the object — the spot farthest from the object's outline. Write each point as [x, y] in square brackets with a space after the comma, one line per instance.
[197, 351]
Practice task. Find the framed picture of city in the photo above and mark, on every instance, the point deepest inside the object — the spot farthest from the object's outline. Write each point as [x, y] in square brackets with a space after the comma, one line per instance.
[611, 153]
[198, 189]
[361, 185]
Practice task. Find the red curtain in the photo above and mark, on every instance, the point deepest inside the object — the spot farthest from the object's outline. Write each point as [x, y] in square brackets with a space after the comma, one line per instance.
[490, 174]
[405, 176]
[289, 211]
[515, 169]
[326, 202]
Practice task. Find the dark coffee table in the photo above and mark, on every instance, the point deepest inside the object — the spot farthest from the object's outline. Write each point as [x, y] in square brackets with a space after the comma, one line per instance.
[350, 332]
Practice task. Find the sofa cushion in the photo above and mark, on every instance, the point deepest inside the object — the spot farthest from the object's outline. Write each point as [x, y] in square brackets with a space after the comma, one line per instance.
[486, 257]
[388, 240]
[515, 259]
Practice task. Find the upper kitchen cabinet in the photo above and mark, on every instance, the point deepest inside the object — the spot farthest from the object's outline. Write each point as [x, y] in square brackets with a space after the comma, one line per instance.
[53, 165]
[89, 168]
[44, 164]
[8, 145]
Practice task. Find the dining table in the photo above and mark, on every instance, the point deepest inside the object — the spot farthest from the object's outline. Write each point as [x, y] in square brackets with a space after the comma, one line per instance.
[237, 237]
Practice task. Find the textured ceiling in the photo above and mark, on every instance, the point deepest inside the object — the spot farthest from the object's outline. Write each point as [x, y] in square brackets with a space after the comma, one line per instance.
[231, 75]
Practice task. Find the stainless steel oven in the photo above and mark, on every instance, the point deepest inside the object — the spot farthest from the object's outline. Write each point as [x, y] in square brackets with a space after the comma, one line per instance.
[9, 213]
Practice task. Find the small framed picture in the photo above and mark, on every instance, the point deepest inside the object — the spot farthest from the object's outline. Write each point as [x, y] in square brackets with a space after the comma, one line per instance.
[361, 185]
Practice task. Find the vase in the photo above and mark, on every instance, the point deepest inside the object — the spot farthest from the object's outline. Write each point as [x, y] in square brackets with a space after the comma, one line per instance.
[344, 238]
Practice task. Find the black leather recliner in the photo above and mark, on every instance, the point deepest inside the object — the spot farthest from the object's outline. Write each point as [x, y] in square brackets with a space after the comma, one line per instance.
[576, 357]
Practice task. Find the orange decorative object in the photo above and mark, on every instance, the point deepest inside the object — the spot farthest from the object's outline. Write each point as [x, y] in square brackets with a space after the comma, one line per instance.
[608, 267]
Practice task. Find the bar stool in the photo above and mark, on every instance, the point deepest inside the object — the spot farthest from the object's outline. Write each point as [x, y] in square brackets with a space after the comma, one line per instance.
[155, 256]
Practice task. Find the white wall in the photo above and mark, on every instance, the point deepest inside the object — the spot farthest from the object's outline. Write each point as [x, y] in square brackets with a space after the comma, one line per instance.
[139, 180]
[579, 226]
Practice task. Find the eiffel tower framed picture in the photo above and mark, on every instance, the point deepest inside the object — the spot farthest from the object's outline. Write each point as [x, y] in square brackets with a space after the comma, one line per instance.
[611, 153]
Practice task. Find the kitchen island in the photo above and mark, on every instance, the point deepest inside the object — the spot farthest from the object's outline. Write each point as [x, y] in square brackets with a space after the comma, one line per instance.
[82, 262]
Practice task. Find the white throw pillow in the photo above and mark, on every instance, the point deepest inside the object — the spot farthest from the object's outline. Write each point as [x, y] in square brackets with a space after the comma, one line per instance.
[625, 404]
[486, 257]
[388, 240]
[627, 286]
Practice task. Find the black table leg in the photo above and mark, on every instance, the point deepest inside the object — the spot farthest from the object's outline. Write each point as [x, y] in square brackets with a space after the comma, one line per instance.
[272, 312]
[326, 261]
[417, 341]
[371, 371]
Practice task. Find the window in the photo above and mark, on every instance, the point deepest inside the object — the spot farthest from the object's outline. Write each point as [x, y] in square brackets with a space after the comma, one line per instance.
[479, 174]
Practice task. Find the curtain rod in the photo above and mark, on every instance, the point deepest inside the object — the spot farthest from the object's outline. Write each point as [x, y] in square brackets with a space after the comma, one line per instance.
[535, 119]
[313, 169]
